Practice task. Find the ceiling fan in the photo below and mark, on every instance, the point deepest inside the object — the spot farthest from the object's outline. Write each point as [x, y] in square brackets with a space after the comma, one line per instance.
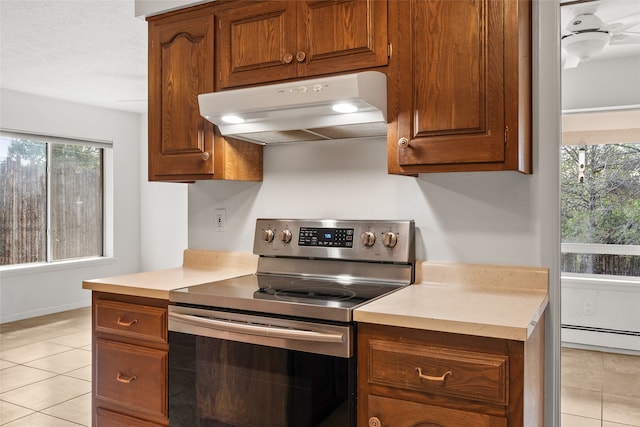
[586, 34]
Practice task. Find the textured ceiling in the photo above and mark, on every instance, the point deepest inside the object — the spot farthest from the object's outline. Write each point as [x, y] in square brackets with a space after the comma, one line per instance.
[88, 51]
[95, 51]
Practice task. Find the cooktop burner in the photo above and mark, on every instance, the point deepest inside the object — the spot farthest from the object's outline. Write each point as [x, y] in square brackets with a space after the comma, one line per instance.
[319, 269]
[309, 289]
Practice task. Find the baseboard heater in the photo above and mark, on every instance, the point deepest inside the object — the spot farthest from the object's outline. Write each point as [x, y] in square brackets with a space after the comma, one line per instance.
[601, 330]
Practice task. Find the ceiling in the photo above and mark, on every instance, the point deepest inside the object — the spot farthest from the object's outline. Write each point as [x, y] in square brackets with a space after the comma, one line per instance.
[87, 51]
[95, 51]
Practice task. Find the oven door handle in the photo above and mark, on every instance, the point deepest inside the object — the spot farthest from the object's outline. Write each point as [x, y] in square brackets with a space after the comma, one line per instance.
[258, 329]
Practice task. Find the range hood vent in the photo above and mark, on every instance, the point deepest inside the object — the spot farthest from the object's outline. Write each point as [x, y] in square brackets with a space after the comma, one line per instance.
[338, 107]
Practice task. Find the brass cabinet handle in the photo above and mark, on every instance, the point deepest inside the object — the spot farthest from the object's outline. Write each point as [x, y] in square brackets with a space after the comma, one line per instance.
[288, 57]
[403, 142]
[121, 322]
[205, 156]
[430, 378]
[375, 422]
[300, 56]
[125, 379]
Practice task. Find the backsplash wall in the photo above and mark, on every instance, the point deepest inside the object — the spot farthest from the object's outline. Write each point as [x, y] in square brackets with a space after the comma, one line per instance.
[460, 217]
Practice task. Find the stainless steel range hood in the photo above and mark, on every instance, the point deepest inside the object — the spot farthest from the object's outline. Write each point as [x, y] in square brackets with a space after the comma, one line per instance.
[302, 111]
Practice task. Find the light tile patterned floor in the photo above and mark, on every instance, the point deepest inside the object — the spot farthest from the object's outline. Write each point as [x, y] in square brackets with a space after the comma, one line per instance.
[45, 377]
[45, 371]
[600, 389]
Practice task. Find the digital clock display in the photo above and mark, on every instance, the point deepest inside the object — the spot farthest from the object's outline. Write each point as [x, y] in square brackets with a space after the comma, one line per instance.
[326, 237]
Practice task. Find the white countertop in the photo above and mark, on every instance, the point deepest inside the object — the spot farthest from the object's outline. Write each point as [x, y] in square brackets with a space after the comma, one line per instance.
[199, 266]
[492, 301]
[484, 300]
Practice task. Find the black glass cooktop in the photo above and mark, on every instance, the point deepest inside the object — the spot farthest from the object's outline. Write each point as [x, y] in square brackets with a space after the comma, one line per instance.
[319, 298]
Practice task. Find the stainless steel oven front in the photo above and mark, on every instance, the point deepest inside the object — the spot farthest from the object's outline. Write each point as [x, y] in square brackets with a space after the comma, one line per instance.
[277, 348]
[242, 370]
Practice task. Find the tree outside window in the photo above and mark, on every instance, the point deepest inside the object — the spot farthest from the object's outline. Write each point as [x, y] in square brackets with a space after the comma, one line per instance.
[600, 209]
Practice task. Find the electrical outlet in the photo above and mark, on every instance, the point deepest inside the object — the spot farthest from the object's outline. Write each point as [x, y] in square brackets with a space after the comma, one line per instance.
[221, 219]
[588, 308]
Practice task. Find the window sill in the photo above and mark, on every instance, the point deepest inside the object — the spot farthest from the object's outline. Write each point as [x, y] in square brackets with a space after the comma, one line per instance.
[39, 268]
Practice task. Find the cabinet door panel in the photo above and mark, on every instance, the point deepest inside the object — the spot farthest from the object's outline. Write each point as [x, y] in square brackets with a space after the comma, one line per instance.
[455, 95]
[132, 376]
[342, 35]
[180, 68]
[400, 413]
[254, 41]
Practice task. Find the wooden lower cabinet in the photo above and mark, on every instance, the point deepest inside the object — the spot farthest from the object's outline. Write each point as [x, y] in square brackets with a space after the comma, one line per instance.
[399, 413]
[410, 377]
[130, 361]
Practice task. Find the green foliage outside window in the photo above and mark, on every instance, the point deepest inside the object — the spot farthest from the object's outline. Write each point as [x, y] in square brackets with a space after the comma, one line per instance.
[603, 208]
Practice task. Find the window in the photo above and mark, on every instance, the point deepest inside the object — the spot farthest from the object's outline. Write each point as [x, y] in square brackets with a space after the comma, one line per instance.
[51, 198]
[600, 209]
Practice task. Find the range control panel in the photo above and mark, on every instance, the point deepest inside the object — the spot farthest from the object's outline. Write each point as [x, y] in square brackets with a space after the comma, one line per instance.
[366, 240]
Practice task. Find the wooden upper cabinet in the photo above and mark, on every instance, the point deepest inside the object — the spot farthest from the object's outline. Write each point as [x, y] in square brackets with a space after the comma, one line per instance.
[183, 146]
[461, 87]
[260, 42]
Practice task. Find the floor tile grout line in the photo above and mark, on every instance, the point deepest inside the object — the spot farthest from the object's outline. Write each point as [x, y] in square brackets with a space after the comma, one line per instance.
[44, 357]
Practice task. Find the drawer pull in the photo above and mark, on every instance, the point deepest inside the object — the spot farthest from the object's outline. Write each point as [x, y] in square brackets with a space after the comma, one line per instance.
[430, 378]
[375, 422]
[121, 322]
[125, 379]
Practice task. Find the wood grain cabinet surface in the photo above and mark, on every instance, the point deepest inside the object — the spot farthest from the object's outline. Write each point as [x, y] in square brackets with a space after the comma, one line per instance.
[460, 86]
[130, 361]
[267, 41]
[183, 146]
[409, 377]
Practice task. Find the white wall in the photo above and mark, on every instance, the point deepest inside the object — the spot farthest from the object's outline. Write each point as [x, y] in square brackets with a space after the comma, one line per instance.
[602, 84]
[465, 217]
[41, 290]
[163, 215]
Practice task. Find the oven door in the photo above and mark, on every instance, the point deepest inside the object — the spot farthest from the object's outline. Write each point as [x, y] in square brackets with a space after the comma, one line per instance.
[242, 370]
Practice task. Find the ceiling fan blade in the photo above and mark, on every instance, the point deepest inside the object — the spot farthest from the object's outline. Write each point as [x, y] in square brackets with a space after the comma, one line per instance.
[571, 62]
[616, 26]
[625, 38]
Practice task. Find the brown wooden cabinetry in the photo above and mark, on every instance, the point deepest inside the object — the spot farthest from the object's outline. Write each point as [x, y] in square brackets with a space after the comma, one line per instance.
[183, 146]
[259, 42]
[410, 377]
[460, 86]
[129, 361]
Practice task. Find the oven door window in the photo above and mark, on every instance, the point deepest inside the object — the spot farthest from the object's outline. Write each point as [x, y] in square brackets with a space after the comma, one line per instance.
[222, 383]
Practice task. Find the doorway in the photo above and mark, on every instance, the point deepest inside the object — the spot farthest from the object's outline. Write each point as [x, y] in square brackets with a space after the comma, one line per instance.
[600, 211]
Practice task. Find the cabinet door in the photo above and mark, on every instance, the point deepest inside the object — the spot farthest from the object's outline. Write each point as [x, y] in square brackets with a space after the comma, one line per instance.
[256, 43]
[336, 36]
[384, 411]
[180, 68]
[450, 61]
[132, 376]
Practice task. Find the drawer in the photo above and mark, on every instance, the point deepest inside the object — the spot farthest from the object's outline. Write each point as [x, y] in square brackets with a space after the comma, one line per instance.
[132, 376]
[384, 411]
[105, 418]
[132, 320]
[476, 376]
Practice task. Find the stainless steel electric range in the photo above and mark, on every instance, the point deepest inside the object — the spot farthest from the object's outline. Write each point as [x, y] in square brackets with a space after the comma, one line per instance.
[277, 348]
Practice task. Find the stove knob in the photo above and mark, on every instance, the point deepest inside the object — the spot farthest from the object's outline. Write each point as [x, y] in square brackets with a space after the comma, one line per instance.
[285, 236]
[267, 235]
[390, 239]
[368, 238]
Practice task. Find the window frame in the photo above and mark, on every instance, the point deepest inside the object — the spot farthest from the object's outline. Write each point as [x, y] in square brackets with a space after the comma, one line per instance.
[107, 203]
[600, 126]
